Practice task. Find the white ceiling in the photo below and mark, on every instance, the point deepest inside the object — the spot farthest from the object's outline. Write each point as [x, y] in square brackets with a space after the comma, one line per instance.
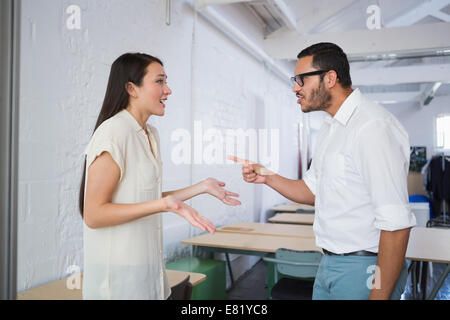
[420, 28]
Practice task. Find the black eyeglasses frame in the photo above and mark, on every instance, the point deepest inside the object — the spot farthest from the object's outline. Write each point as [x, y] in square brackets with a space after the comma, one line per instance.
[301, 76]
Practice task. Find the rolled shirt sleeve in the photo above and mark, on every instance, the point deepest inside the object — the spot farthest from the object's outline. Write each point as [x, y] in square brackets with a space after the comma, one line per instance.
[382, 158]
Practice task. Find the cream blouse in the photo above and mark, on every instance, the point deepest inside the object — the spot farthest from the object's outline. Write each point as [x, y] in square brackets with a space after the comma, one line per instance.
[126, 261]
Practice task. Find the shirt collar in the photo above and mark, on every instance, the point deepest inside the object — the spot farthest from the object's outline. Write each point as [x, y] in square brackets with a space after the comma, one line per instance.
[346, 110]
[130, 119]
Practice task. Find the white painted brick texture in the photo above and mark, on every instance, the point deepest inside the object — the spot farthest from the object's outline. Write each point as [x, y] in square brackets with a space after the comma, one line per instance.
[63, 80]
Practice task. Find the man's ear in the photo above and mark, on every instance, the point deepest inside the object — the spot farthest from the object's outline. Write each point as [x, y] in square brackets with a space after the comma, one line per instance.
[331, 79]
[130, 88]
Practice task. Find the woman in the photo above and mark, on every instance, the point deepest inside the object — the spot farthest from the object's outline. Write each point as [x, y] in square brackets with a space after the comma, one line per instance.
[120, 195]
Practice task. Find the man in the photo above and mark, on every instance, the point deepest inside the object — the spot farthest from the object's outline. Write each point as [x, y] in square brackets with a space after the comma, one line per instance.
[357, 182]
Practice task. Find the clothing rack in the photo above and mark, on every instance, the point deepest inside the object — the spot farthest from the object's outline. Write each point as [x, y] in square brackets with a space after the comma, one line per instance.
[441, 220]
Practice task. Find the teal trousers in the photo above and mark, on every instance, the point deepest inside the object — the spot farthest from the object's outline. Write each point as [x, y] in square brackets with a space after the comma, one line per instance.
[351, 278]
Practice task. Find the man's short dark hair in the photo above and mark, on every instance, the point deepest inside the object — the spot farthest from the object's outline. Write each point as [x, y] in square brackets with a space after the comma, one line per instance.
[329, 56]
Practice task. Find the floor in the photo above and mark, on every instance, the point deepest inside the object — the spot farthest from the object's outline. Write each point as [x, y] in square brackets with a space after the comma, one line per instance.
[251, 285]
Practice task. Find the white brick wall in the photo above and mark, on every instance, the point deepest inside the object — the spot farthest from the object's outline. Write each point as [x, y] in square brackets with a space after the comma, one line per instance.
[63, 81]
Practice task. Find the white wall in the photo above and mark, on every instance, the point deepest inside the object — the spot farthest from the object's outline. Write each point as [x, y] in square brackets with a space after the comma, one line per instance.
[420, 122]
[63, 80]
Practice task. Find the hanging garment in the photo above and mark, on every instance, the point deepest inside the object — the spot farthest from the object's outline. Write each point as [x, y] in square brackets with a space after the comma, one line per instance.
[438, 183]
[435, 178]
[446, 181]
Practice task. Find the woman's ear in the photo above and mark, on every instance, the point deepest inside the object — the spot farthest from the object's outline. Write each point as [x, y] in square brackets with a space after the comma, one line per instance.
[130, 88]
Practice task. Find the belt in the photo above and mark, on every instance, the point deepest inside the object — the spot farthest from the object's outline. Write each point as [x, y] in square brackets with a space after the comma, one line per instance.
[355, 253]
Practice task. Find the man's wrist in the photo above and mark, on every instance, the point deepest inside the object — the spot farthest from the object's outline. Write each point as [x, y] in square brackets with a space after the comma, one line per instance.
[268, 180]
[378, 294]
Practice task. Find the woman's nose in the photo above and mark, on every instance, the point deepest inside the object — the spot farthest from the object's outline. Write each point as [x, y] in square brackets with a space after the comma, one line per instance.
[167, 91]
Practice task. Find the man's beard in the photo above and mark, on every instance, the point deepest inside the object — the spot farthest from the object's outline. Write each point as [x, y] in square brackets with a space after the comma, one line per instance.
[320, 99]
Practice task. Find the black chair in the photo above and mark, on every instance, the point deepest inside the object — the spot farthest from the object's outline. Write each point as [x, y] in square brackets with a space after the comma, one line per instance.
[302, 265]
[183, 290]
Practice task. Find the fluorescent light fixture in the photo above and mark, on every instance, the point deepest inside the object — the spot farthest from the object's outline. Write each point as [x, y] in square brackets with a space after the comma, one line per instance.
[400, 55]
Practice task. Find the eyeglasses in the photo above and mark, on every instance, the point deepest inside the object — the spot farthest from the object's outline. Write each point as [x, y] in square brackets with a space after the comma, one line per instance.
[299, 77]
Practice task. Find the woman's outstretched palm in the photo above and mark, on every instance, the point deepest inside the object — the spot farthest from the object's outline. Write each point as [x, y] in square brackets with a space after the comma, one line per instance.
[215, 188]
[188, 213]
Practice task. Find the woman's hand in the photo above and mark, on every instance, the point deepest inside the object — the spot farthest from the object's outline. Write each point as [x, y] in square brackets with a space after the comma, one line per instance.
[190, 214]
[215, 188]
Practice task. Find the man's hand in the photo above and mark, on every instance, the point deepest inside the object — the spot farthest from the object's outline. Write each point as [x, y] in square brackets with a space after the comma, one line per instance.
[294, 190]
[252, 172]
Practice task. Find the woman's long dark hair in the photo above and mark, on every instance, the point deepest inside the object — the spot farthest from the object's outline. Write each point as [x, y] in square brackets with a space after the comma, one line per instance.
[129, 67]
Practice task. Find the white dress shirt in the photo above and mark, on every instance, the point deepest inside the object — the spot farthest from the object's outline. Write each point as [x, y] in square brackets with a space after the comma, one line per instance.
[358, 175]
[126, 261]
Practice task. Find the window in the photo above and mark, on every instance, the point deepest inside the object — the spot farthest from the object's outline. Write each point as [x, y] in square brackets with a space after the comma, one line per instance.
[443, 132]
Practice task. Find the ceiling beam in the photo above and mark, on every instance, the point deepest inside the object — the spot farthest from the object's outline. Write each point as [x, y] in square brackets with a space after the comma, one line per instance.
[441, 15]
[285, 13]
[315, 17]
[200, 4]
[418, 13]
[248, 44]
[429, 94]
[394, 97]
[401, 75]
[366, 43]
[312, 15]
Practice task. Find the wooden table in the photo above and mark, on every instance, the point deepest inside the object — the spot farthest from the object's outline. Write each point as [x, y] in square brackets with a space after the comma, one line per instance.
[294, 207]
[176, 276]
[250, 243]
[293, 218]
[254, 244]
[269, 229]
[58, 290]
[431, 245]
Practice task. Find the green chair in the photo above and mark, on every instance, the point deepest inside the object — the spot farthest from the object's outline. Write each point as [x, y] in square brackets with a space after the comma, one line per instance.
[305, 211]
[301, 268]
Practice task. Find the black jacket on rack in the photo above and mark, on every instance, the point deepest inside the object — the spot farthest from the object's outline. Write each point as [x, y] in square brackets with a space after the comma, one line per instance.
[438, 182]
[446, 182]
